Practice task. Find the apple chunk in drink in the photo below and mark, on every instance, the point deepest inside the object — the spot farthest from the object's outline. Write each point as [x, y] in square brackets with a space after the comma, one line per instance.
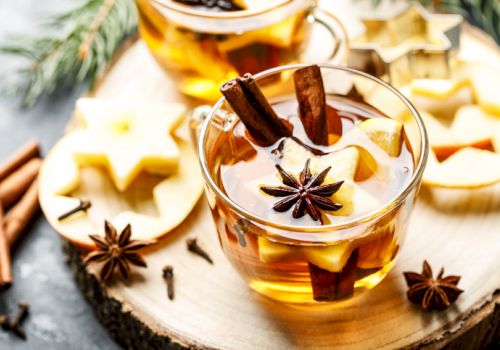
[319, 163]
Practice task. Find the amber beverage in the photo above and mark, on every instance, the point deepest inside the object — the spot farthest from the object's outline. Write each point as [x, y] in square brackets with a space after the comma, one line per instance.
[204, 47]
[312, 207]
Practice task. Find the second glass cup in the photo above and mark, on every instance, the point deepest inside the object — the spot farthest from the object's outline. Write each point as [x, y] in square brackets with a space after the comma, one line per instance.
[202, 49]
[313, 264]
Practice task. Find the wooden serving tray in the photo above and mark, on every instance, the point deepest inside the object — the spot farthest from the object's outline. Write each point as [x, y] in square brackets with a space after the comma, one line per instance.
[213, 307]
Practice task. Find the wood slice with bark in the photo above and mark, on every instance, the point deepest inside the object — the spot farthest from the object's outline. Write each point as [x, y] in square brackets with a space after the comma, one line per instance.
[214, 308]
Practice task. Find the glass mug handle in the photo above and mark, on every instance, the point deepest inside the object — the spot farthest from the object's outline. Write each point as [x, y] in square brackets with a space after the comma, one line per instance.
[338, 32]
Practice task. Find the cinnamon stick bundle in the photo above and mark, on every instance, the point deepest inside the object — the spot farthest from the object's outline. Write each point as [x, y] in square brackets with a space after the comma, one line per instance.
[20, 215]
[310, 94]
[249, 103]
[30, 150]
[15, 184]
[5, 262]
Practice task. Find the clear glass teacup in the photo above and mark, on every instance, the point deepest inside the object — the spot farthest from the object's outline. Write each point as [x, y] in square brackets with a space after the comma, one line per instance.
[203, 49]
[305, 264]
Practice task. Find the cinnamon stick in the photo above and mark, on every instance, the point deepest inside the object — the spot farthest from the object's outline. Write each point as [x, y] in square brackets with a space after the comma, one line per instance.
[249, 103]
[5, 263]
[13, 186]
[330, 286]
[20, 215]
[30, 150]
[312, 103]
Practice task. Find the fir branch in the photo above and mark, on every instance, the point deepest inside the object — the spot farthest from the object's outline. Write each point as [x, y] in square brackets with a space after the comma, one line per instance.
[483, 13]
[90, 36]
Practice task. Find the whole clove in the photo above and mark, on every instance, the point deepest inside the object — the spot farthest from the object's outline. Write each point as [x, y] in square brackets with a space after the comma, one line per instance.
[82, 206]
[15, 326]
[192, 245]
[168, 276]
[4, 322]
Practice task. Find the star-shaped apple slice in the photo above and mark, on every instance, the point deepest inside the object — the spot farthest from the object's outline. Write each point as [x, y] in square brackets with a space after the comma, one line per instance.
[482, 79]
[127, 138]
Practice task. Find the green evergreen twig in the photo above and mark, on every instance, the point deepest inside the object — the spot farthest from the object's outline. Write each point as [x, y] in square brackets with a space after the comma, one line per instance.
[90, 36]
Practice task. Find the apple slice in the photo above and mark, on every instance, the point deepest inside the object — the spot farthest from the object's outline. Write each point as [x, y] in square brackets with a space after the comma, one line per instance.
[472, 127]
[481, 78]
[367, 165]
[272, 252]
[330, 258]
[385, 133]
[60, 174]
[467, 168]
[354, 199]
[174, 197]
[344, 162]
[486, 84]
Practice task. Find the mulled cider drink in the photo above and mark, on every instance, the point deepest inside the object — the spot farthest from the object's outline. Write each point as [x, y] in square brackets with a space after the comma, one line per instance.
[311, 192]
[205, 43]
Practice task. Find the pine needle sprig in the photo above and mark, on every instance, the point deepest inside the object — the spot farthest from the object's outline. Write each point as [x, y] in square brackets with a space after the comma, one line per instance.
[83, 42]
[483, 13]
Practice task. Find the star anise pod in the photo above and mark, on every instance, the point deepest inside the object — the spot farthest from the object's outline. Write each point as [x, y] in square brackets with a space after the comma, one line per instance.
[116, 251]
[306, 193]
[432, 293]
[225, 5]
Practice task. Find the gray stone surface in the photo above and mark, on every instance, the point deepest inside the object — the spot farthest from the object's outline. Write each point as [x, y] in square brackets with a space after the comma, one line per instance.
[60, 318]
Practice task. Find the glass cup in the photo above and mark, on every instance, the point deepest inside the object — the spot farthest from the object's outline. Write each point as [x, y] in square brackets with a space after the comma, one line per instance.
[203, 49]
[364, 247]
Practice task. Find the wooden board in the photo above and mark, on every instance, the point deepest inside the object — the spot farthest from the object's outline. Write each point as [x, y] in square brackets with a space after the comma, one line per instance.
[213, 307]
